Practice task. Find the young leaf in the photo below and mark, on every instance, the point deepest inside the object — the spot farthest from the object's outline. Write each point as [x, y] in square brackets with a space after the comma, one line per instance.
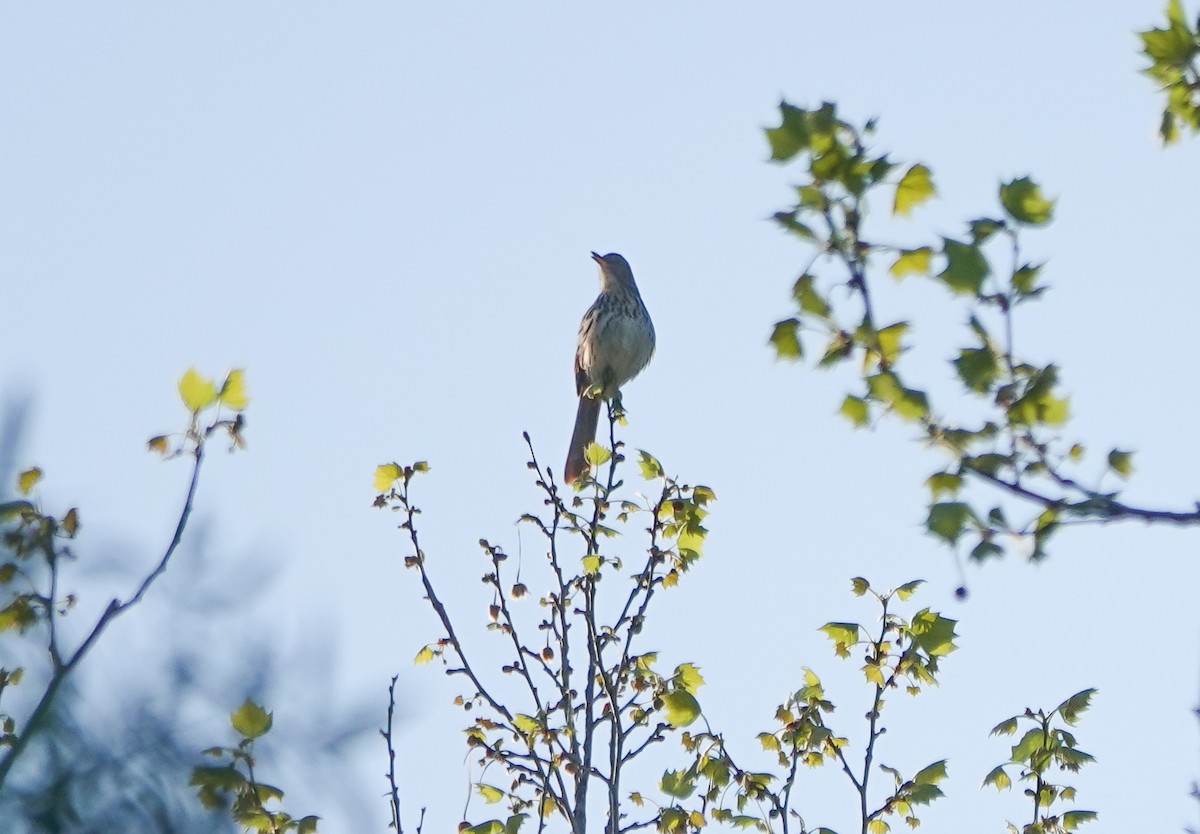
[596, 455]
[197, 392]
[855, 410]
[28, 479]
[1121, 462]
[385, 475]
[489, 793]
[424, 656]
[914, 188]
[966, 267]
[687, 677]
[1073, 706]
[682, 707]
[912, 262]
[233, 391]
[677, 783]
[1023, 201]
[250, 720]
[786, 340]
[998, 778]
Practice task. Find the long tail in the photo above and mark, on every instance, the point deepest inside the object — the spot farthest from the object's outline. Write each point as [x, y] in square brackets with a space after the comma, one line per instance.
[586, 419]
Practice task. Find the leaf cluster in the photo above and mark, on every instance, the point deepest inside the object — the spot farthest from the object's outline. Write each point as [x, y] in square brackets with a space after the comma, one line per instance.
[1172, 51]
[588, 699]
[231, 783]
[903, 651]
[1045, 746]
[1016, 446]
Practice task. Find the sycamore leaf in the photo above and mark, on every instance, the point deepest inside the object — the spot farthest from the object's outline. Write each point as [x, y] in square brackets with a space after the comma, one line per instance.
[596, 455]
[233, 391]
[1121, 462]
[250, 720]
[424, 656]
[591, 565]
[688, 678]
[856, 410]
[998, 778]
[682, 707]
[1023, 201]
[1073, 706]
[786, 340]
[914, 188]
[677, 783]
[912, 262]
[489, 793]
[28, 479]
[196, 392]
[386, 474]
[966, 267]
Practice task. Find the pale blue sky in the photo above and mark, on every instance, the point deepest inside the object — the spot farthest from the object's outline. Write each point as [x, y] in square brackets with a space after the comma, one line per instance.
[383, 211]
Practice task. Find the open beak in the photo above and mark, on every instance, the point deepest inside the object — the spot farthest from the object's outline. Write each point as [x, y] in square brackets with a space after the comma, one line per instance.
[597, 258]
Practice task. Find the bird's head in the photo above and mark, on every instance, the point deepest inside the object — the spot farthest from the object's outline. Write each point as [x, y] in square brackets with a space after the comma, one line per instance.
[615, 268]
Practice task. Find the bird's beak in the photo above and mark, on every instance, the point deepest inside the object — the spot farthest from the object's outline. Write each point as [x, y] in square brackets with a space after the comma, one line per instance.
[598, 258]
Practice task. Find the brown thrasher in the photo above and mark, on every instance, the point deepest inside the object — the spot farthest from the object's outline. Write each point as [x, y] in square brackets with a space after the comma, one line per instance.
[616, 340]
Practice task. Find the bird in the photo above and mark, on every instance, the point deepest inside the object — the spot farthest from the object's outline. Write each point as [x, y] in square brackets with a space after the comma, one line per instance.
[616, 341]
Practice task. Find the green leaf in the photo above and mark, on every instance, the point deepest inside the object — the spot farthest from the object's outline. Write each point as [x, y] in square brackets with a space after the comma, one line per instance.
[943, 483]
[977, 368]
[808, 298]
[424, 656]
[677, 783]
[489, 827]
[914, 188]
[1073, 819]
[859, 586]
[514, 823]
[947, 519]
[650, 466]
[998, 778]
[906, 402]
[909, 588]
[596, 455]
[591, 565]
[1023, 201]
[1005, 728]
[983, 228]
[197, 392]
[1121, 462]
[307, 825]
[933, 632]
[912, 262]
[787, 219]
[768, 741]
[233, 391]
[386, 474]
[842, 634]
[791, 137]
[250, 720]
[889, 339]
[878, 826]
[1024, 279]
[786, 340]
[28, 479]
[931, 774]
[1073, 706]
[12, 509]
[682, 707]
[966, 267]
[688, 678]
[1032, 742]
[855, 410]
[490, 794]
[526, 724]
